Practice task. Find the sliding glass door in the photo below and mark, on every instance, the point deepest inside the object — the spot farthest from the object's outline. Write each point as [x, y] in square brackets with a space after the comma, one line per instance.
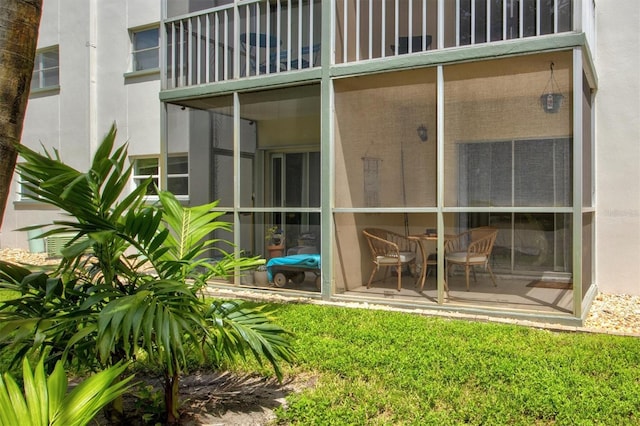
[520, 173]
[295, 183]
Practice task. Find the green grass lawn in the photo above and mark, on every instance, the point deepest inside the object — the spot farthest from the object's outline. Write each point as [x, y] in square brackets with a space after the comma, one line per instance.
[388, 368]
[379, 367]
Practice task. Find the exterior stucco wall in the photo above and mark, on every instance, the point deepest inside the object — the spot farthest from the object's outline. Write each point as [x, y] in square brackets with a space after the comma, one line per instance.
[94, 56]
[618, 147]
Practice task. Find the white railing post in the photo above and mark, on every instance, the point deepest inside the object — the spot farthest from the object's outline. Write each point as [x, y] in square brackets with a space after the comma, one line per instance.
[504, 19]
[198, 51]
[370, 29]
[473, 22]
[207, 48]
[247, 44]
[345, 39]
[288, 37]
[182, 76]
[410, 27]
[424, 25]
[174, 44]
[457, 23]
[488, 35]
[311, 53]
[521, 19]
[299, 34]
[440, 27]
[219, 56]
[268, 32]
[236, 56]
[190, 51]
[278, 30]
[397, 24]
[383, 30]
[538, 15]
[256, 17]
[357, 30]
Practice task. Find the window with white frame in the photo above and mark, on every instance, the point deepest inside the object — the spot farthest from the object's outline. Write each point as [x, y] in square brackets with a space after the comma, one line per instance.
[177, 174]
[144, 168]
[24, 193]
[46, 69]
[145, 49]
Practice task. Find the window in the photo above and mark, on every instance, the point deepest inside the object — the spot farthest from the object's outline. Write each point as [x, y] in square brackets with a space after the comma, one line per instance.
[24, 193]
[177, 174]
[521, 173]
[142, 169]
[46, 69]
[145, 49]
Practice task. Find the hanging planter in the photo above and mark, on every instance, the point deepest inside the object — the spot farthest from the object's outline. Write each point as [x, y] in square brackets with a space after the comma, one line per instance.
[551, 98]
[551, 102]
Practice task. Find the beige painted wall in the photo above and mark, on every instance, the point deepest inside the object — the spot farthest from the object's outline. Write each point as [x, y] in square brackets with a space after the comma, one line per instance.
[618, 146]
[289, 131]
[374, 120]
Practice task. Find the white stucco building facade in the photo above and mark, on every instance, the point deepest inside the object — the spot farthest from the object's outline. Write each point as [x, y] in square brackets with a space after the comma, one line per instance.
[617, 153]
[96, 87]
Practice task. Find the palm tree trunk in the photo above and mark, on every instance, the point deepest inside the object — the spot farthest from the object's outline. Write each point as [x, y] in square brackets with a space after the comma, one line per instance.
[171, 397]
[19, 24]
[114, 411]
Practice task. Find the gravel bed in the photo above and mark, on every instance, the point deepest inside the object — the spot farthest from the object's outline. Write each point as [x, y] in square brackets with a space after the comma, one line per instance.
[614, 313]
[609, 313]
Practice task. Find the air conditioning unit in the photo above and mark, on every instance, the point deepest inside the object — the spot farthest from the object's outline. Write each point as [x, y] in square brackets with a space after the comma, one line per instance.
[55, 243]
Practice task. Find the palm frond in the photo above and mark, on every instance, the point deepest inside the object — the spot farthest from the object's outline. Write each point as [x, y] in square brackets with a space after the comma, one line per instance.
[237, 327]
[190, 228]
[44, 401]
[157, 318]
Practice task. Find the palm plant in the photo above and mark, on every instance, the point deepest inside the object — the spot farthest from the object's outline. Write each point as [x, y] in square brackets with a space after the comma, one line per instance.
[138, 287]
[45, 400]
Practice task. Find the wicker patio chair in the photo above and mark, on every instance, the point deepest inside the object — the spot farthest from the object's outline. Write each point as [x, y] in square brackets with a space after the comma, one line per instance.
[471, 248]
[389, 249]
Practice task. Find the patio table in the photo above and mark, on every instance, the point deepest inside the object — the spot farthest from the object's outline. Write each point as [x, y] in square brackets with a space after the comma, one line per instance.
[422, 239]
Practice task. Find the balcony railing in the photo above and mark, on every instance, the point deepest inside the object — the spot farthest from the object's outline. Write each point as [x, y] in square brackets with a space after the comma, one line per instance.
[241, 40]
[246, 38]
[368, 29]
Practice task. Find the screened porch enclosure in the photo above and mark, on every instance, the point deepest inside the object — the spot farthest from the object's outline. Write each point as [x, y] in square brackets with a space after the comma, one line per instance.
[507, 164]
[268, 182]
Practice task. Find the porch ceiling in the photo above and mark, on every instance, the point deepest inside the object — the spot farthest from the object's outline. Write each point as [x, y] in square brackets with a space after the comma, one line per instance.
[265, 105]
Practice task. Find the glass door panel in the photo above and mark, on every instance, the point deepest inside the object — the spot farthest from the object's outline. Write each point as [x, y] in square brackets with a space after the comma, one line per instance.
[296, 183]
[527, 242]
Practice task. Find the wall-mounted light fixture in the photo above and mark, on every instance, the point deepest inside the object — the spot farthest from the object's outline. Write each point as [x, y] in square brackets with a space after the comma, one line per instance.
[422, 133]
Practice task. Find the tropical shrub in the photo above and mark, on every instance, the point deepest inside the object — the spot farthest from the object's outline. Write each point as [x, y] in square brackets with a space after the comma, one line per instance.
[45, 400]
[131, 277]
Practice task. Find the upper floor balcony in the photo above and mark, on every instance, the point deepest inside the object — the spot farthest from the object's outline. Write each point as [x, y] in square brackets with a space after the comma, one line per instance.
[220, 40]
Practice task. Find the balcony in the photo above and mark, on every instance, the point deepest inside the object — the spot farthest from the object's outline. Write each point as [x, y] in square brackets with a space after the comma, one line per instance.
[368, 29]
[242, 39]
[252, 38]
